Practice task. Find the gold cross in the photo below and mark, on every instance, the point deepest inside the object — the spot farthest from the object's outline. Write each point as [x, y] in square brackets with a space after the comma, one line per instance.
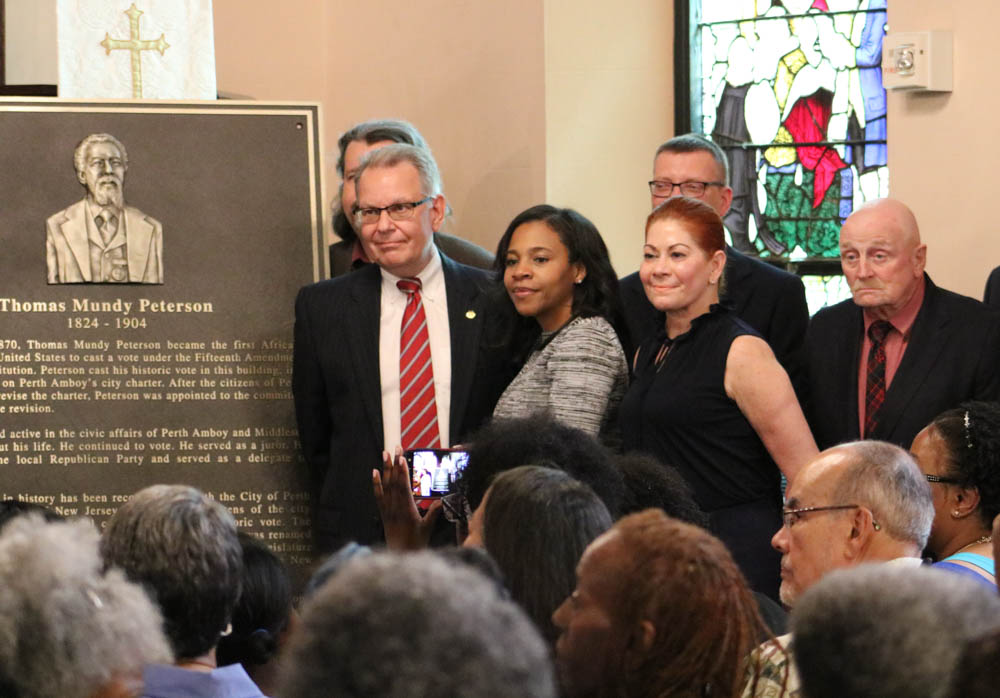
[135, 45]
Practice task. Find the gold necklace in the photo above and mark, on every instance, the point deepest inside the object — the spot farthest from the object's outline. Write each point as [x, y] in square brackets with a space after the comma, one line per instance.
[983, 539]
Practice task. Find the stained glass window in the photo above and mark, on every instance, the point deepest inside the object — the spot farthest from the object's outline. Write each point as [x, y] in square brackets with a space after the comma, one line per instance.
[792, 90]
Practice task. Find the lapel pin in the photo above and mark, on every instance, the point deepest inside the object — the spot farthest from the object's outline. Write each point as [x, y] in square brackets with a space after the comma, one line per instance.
[470, 314]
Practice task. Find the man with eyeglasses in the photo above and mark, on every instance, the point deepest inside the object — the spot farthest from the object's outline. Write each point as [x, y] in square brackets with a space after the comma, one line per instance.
[768, 299]
[860, 502]
[349, 254]
[392, 354]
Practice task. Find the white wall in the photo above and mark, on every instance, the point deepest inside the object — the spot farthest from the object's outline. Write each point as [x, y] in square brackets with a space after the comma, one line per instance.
[30, 42]
[943, 147]
[608, 105]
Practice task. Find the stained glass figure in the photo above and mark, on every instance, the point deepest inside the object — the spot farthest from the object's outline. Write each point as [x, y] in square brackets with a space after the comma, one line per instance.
[792, 90]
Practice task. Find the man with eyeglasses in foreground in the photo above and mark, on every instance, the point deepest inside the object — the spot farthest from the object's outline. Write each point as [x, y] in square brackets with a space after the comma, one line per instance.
[860, 502]
[390, 355]
[770, 300]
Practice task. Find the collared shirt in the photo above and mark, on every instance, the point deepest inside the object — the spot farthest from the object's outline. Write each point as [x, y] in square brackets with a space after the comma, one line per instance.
[435, 300]
[774, 659]
[895, 346]
[108, 261]
[165, 681]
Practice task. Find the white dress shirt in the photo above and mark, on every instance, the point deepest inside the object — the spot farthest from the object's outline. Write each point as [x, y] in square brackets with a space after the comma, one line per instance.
[435, 300]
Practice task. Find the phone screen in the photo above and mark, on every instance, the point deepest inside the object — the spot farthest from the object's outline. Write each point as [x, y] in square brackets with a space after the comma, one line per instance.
[433, 472]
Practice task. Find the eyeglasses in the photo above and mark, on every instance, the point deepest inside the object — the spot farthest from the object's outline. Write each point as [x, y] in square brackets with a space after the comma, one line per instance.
[664, 189]
[790, 517]
[942, 480]
[402, 211]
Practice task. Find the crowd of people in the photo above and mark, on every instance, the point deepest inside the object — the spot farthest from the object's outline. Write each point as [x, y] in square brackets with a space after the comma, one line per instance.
[675, 485]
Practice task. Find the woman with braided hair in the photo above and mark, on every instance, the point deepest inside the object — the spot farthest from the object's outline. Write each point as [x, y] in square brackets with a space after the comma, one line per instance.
[959, 453]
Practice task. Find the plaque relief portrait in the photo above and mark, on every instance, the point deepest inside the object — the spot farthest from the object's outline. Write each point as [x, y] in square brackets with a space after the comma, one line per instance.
[100, 239]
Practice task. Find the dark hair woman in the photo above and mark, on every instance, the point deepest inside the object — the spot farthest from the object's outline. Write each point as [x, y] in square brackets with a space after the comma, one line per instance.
[959, 453]
[262, 617]
[536, 522]
[558, 279]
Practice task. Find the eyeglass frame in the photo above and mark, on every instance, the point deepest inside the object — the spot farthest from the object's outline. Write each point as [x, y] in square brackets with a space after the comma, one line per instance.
[678, 185]
[785, 513]
[406, 212]
[942, 480]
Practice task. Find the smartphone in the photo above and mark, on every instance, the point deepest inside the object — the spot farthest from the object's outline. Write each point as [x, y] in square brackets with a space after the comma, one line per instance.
[434, 471]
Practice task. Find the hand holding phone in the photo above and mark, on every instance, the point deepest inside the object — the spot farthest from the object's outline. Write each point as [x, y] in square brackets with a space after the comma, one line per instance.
[405, 528]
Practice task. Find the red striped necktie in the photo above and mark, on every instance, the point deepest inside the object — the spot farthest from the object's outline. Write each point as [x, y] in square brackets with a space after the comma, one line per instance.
[418, 409]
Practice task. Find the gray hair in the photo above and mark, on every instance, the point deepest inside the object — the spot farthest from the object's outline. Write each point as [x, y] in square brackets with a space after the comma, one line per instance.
[80, 153]
[395, 625]
[885, 479]
[375, 131]
[696, 143]
[66, 628]
[398, 153]
[182, 546]
[881, 631]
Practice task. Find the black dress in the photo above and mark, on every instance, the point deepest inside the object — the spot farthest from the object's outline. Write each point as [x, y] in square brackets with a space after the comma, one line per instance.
[679, 412]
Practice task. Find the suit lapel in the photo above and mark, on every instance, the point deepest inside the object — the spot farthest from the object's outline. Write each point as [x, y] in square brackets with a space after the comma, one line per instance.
[138, 237]
[465, 317]
[921, 355]
[74, 229]
[843, 350]
[363, 339]
[737, 269]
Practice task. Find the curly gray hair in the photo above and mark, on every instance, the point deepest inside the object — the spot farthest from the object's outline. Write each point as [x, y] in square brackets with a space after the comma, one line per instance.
[414, 625]
[66, 628]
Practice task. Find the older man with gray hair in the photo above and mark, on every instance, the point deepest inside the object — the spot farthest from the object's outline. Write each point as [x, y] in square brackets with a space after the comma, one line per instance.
[183, 548]
[100, 239]
[349, 254]
[883, 632]
[392, 354]
[395, 626]
[856, 503]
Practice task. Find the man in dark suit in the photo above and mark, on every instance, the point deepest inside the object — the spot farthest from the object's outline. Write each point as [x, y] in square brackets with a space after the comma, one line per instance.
[883, 364]
[349, 254]
[348, 382]
[770, 300]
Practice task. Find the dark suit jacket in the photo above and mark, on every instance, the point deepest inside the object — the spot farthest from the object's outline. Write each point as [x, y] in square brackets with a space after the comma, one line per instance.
[953, 355]
[770, 300]
[462, 251]
[991, 295]
[337, 388]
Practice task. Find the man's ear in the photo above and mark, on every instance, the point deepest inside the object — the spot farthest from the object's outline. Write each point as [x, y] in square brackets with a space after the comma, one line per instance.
[438, 209]
[863, 528]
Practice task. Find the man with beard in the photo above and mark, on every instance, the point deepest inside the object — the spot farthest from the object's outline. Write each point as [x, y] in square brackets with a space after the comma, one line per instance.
[100, 239]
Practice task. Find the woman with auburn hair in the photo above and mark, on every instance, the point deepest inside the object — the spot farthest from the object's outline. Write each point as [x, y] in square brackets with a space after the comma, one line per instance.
[959, 453]
[562, 297]
[659, 609]
[707, 395]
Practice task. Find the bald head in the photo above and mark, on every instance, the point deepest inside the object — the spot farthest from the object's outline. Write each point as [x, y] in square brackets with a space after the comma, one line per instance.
[889, 214]
[882, 257]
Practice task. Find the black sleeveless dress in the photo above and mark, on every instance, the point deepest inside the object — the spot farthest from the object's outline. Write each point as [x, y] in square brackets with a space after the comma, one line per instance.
[680, 413]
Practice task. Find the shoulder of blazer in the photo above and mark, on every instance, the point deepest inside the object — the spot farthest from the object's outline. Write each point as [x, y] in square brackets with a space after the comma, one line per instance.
[464, 275]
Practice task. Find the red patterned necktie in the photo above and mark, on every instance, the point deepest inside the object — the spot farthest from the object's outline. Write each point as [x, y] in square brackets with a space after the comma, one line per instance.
[875, 384]
[418, 409]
